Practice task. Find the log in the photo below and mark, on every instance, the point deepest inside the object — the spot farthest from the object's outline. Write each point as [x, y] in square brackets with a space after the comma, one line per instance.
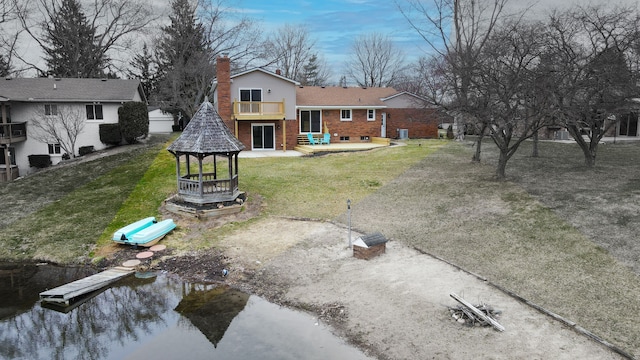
[496, 325]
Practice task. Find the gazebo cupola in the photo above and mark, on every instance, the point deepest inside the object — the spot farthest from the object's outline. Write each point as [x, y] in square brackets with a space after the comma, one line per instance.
[207, 140]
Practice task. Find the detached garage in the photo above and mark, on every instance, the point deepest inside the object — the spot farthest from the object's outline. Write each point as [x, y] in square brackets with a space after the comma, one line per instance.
[160, 122]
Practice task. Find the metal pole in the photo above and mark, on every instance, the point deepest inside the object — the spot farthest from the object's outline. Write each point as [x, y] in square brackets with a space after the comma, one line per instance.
[349, 219]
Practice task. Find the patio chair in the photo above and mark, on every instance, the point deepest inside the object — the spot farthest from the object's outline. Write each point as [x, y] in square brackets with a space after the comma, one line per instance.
[326, 139]
[312, 141]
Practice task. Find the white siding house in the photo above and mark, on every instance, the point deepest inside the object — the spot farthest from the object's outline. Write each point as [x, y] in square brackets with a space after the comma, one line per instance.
[22, 100]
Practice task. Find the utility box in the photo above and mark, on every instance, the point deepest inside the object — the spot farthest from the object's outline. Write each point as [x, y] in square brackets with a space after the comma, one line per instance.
[369, 246]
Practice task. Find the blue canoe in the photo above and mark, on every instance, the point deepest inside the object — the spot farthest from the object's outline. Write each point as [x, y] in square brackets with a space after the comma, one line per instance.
[146, 232]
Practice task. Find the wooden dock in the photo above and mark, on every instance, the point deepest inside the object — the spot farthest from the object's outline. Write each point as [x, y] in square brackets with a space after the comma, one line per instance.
[65, 294]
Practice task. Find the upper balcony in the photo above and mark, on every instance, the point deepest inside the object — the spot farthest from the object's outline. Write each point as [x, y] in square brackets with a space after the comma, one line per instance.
[258, 110]
[13, 132]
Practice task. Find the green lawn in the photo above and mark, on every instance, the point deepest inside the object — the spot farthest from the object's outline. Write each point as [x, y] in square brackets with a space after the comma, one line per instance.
[82, 218]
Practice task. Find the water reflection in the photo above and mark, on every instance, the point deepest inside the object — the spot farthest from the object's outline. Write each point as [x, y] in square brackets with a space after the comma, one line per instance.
[211, 310]
[153, 317]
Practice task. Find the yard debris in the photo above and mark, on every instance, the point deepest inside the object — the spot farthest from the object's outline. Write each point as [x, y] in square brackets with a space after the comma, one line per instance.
[478, 315]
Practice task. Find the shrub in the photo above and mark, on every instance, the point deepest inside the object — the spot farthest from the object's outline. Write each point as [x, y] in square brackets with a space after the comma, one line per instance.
[133, 118]
[110, 134]
[84, 150]
[39, 161]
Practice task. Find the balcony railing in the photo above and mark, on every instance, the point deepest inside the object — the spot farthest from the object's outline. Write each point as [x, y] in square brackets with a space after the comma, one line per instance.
[13, 132]
[258, 110]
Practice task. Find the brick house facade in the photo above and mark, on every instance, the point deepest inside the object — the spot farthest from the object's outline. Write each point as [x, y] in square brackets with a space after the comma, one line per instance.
[267, 111]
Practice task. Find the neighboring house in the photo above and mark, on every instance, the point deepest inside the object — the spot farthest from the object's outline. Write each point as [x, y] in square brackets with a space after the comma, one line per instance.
[267, 111]
[22, 100]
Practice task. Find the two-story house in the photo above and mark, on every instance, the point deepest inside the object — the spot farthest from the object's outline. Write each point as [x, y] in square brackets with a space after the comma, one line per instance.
[267, 111]
[22, 100]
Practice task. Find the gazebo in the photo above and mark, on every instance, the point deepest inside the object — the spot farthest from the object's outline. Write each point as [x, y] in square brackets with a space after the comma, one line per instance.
[206, 139]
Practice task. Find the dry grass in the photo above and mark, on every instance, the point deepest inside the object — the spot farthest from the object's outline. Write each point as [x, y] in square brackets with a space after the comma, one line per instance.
[447, 206]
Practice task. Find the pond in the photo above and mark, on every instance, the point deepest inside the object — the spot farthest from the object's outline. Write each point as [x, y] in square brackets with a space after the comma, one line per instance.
[153, 315]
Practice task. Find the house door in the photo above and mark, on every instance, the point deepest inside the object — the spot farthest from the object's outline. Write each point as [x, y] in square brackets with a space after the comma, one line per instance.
[263, 136]
[383, 127]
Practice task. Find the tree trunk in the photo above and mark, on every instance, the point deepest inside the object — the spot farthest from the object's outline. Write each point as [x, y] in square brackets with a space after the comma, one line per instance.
[590, 155]
[502, 165]
[589, 149]
[534, 151]
[476, 155]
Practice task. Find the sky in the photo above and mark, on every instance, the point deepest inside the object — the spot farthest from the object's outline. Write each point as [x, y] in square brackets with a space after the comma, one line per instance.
[334, 24]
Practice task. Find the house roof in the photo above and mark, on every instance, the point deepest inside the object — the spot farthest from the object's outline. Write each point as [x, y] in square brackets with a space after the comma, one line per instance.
[206, 133]
[215, 80]
[335, 96]
[404, 93]
[69, 90]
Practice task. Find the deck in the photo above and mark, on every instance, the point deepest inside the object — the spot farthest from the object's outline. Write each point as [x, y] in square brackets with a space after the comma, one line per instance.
[65, 294]
[342, 147]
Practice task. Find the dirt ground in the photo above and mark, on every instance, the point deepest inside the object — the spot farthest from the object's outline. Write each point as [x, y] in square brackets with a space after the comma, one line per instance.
[394, 306]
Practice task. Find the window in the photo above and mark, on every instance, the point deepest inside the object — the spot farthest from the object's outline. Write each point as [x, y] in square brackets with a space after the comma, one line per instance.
[249, 97]
[344, 138]
[94, 112]
[371, 115]
[345, 115]
[54, 149]
[364, 138]
[250, 94]
[310, 121]
[50, 109]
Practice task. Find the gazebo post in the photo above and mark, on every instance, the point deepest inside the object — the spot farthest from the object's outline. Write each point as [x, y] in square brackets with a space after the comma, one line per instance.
[200, 182]
[188, 165]
[177, 166]
[215, 167]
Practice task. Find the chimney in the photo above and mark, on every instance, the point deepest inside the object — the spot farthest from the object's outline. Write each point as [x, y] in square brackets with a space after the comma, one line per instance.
[223, 73]
[278, 72]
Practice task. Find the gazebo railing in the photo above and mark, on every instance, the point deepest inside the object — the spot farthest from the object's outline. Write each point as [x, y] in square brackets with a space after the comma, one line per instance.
[190, 185]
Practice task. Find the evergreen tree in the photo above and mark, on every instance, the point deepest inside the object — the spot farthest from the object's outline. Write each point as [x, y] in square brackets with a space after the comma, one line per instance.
[310, 72]
[185, 60]
[144, 67]
[70, 43]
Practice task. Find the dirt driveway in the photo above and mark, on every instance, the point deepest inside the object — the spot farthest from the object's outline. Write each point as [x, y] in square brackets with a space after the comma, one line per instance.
[394, 306]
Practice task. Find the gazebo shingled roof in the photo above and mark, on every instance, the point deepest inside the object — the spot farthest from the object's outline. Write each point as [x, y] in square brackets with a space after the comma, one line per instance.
[206, 133]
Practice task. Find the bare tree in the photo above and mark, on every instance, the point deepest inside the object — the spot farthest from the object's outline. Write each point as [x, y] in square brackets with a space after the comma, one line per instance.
[589, 56]
[291, 48]
[457, 31]
[374, 61]
[227, 33]
[58, 124]
[505, 93]
[9, 35]
[113, 22]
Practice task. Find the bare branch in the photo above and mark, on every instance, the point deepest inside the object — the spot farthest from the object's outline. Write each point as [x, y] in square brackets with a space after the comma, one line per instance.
[58, 124]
